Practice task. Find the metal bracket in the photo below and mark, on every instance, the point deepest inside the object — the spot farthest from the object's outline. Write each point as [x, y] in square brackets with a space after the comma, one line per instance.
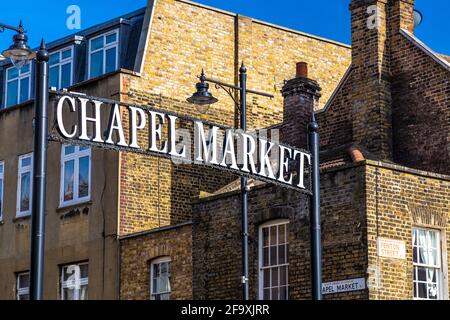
[230, 92]
[244, 279]
[20, 29]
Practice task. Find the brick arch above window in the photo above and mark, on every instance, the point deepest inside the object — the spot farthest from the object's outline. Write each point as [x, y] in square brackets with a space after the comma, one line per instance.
[156, 252]
[282, 212]
[427, 217]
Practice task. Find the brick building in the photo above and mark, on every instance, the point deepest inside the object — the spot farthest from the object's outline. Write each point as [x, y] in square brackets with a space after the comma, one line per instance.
[140, 227]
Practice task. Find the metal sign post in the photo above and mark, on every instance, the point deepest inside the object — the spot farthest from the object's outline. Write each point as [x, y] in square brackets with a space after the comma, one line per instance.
[316, 247]
[39, 176]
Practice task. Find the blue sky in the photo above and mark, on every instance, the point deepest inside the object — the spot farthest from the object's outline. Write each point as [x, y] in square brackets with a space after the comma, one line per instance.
[326, 18]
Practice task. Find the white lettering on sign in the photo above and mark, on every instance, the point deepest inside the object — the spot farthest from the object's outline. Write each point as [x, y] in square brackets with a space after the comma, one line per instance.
[344, 286]
[389, 248]
[85, 120]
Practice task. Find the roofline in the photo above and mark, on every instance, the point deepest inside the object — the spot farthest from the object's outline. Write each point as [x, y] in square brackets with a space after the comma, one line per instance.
[85, 32]
[232, 14]
[337, 90]
[422, 46]
[144, 39]
[155, 230]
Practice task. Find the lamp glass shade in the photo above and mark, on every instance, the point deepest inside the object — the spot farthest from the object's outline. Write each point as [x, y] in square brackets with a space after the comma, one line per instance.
[418, 18]
[19, 52]
[202, 108]
[202, 98]
[18, 63]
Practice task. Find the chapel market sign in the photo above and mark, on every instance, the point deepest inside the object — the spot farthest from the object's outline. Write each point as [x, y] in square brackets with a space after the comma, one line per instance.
[80, 119]
[104, 123]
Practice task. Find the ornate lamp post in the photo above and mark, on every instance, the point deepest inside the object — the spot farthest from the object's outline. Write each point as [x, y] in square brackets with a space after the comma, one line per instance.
[20, 53]
[202, 98]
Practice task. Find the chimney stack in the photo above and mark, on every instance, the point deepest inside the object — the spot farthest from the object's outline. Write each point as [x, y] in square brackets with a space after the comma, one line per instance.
[301, 97]
[302, 70]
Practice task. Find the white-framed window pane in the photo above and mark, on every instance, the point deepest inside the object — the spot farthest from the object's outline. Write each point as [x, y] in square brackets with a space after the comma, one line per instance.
[110, 59]
[66, 75]
[97, 43]
[273, 261]
[66, 54]
[23, 297]
[25, 191]
[25, 161]
[61, 68]
[96, 64]
[75, 174]
[69, 171]
[54, 77]
[427, 270]
[160, 279]
[68, 294]
[12, 93]
[12, 73]
[17, 85]
[54, 58]
[25, 69]
[24, 89]
[23, 286]
[84, 292]
[110, 38]
[83, 185]
[103, 52]
[74, 282]
[24, 185]
[69, 150]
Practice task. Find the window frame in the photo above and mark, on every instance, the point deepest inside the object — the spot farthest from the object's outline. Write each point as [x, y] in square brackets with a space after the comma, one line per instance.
[76, 156]
[439, 267]
[64, 284]
[61, 63]
[20, 171]
[19, 77]
[2, 188]
[104, 49]
[160, 260]
[261, 268]
[22, 291]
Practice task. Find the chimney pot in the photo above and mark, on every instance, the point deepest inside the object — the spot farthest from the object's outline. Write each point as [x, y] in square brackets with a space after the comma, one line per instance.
[302, 70]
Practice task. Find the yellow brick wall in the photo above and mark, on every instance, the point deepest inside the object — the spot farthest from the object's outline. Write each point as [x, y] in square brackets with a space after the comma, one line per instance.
[137, 254]
[397, 201]
[183, 39]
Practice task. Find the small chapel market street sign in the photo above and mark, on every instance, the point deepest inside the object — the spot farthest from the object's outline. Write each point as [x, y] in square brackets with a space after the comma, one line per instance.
[98, 122]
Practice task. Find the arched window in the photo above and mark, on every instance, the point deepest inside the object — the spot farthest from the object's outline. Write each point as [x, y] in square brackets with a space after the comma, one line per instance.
[160, 279]
[273, 260]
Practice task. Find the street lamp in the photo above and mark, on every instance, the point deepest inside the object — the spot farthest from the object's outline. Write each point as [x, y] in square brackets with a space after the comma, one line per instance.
[202, 98]
[20, 53]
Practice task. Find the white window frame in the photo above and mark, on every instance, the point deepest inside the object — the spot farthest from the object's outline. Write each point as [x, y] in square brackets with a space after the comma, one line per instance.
[261, 267]
[61, 63]
[68, 284]
[18, 78]
[22, 291]
[75, 157]
[21, 170]
[105, 47]
[2, 185]
[439, 267]
[156, 261]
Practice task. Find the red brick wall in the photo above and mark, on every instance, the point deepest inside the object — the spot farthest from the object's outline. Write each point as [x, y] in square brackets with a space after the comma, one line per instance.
[217, 239]
[421, 112]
